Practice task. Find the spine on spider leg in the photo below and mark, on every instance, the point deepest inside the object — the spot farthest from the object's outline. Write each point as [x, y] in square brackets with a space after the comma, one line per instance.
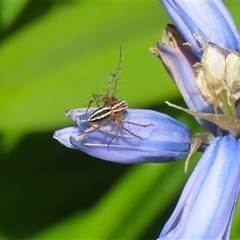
[108, 86]
[94, 100]
[116, 75]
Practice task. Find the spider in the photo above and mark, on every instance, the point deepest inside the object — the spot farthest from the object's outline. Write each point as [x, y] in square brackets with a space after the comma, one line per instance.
[112, 109]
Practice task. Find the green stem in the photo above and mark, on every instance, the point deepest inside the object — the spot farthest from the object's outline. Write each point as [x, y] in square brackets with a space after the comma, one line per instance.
[226, 108]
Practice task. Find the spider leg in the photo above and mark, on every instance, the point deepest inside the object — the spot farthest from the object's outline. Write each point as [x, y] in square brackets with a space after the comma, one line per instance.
[127, 130]
[138, 124]
[97, 98]
[116, 75]
[115, 132]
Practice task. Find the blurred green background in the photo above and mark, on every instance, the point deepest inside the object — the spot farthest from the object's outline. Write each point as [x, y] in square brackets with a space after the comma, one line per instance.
[53, 56]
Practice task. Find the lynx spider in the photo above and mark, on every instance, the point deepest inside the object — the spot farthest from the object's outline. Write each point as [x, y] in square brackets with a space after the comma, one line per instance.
[113, 109]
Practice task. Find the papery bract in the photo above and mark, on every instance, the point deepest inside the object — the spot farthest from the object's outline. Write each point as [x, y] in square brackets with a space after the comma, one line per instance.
[178, 60]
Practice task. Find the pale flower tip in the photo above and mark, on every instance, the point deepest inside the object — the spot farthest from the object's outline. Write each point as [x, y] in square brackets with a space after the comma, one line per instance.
[76, 113]
[63, 135]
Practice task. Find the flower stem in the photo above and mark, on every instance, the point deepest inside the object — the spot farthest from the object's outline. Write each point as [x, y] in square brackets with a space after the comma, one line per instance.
[228, 108]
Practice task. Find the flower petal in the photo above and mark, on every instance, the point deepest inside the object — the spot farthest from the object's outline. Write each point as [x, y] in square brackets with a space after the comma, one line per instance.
[209, 18]
[63, 135]
[178, 60]
[205, 208]
[164, 140]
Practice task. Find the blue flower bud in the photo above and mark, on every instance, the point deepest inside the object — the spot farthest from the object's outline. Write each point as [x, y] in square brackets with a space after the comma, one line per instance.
[163, 140]
[209, 18]
[206, 206]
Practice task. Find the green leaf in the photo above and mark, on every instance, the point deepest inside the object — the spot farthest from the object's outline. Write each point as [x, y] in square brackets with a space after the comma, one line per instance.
[57, 61]
[129, 209]
[9, 12]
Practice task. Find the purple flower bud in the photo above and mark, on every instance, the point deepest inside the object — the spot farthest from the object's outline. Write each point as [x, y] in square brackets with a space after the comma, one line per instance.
[206, 206]
[209, 18]
[163, 140]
